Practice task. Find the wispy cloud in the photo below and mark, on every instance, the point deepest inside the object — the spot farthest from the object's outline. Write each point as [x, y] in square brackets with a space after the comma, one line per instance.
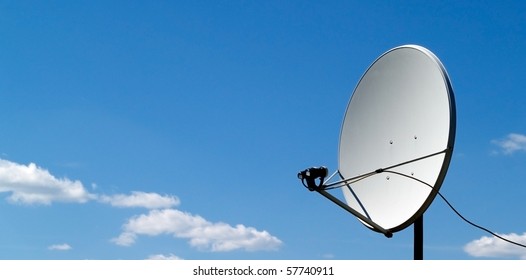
[164, 257]
[202, 234]
[512, 143]
[60, 247]
[140, 199]
[328, 256]
[492, 247]
[31, 184]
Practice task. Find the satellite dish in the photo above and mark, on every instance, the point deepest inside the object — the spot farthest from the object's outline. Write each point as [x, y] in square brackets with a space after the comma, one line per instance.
[401, 119]
[396, 142]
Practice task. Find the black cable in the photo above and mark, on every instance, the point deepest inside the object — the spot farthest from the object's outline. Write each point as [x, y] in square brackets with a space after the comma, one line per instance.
[458, 213]
[347, 182]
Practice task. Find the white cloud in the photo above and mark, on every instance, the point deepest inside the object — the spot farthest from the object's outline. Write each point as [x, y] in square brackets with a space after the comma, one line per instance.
[493, 247]
[125, 239]
[140, 199]
[514, 142]
[31, 184]
[201, 233]
[164, 257]
[60, 247]
[328, 256]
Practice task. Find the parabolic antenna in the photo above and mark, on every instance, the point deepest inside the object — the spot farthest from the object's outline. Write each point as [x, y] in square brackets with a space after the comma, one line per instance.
[395, 144]
[397, 137]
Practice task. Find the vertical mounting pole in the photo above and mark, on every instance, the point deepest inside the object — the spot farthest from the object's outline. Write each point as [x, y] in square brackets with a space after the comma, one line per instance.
[419, 238]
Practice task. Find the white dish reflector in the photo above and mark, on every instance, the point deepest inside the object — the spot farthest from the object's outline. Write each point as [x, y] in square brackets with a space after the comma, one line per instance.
[401, 112]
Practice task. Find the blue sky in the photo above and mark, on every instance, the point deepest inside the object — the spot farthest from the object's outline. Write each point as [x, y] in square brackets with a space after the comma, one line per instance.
[175, 129]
